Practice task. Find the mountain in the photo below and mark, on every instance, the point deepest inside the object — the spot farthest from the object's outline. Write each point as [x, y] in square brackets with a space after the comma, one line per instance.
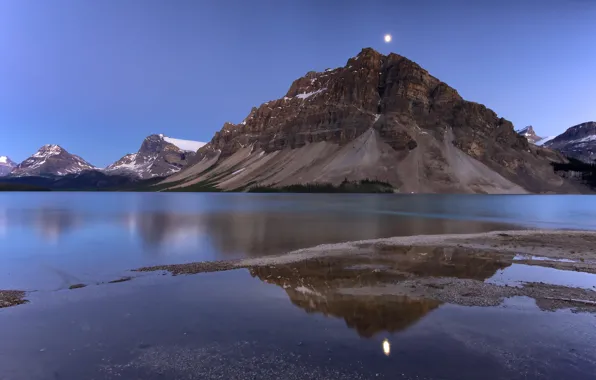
[51, 160]
[6, 165]
[158, 156]
[578, 142]
[528, 133]
[380, 117]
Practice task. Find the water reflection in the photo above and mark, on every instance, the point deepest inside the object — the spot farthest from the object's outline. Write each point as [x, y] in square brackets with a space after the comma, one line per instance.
[386, 347]
[50, 223]
[443, 261]
[157, 229]
[230, 234]
[519, 274]
[316, 285]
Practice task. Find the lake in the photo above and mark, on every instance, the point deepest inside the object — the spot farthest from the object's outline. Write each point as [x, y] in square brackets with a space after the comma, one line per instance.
[233, 324]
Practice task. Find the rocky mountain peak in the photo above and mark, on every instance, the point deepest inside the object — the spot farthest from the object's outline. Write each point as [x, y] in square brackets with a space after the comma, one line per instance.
[6, 160]
[158, 156]
[154, 144]
[51, 160]
[371, 85]
[378, 117]
[529, 133]
[6, 165]
[49, 150]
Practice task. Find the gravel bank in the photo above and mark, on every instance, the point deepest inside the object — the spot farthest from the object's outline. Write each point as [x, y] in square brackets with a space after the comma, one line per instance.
[444, 268]
[11, 298]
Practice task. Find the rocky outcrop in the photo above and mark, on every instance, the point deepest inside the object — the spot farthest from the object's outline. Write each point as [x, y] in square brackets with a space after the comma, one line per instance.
[6, 165]
[577, 142]
[379, 117]
[51, 160]
[158, 156]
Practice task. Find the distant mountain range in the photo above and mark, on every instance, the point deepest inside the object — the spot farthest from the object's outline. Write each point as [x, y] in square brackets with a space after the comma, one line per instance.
[379, 120]
[577, 142]
[158, 156]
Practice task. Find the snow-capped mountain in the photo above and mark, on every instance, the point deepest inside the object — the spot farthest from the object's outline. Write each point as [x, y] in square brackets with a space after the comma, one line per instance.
[51, 160]
[528, 133]
[158, 156]
[577, 142]
[6, 165]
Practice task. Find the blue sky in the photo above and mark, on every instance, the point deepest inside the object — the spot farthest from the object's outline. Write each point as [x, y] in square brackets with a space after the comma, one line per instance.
[98, 76]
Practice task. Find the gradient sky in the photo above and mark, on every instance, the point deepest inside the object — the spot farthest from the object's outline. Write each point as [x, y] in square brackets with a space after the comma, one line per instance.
[98, 76]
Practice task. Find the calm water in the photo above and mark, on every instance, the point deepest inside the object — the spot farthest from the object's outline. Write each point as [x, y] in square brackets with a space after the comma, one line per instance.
[233, 325]
[50, 241]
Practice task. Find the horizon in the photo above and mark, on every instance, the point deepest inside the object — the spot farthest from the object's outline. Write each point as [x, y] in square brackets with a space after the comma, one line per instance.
[176, 70]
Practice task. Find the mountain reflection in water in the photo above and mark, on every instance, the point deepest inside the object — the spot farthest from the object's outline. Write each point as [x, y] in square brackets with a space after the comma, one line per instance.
[316, 285]
[230, 234]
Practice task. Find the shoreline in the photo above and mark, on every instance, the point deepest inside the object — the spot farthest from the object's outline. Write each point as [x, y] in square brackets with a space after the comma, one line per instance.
[448, 268]
[563, 244]
[457, 269]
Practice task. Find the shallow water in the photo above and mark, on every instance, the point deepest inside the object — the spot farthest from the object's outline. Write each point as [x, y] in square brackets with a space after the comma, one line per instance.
[518, 274]
[231, 325]
[264, 323]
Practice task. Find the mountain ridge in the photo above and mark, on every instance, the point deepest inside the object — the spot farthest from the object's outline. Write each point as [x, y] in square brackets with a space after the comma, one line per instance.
[379, 117]
[578, 141]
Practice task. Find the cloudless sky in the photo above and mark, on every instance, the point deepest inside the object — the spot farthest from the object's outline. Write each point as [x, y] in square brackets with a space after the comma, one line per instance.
[98, 76]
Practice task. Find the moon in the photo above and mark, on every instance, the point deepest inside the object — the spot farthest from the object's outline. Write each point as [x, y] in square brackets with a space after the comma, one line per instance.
[387, 38]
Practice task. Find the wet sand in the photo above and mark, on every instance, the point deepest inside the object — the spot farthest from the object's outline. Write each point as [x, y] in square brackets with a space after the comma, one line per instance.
[457, 269]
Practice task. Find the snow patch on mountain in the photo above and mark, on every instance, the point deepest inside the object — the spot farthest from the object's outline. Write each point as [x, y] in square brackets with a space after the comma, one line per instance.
[544, 140]
[309, 94]
[186, 145]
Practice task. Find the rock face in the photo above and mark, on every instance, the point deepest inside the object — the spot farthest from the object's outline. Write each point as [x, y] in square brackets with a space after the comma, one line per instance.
[51, 160]
[528, 133]
[158, 156]
[6, 165]
[577, 142]
[378, 117]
